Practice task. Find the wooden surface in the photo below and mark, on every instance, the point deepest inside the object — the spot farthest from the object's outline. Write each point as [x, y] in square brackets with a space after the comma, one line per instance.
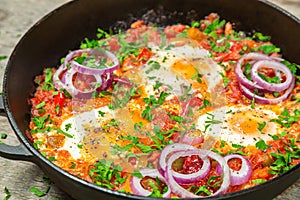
[16, 17]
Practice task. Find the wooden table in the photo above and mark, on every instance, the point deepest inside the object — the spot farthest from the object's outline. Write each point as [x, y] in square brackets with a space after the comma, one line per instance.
[16, 17]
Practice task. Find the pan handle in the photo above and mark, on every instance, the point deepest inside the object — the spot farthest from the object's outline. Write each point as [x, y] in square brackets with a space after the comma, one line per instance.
[19, 152]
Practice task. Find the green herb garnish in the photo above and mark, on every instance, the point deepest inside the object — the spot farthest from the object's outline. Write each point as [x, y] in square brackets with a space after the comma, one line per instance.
[48, 83]
[268, 49]
[37, 192]
[261, 126]
[286, 119]
[3, 57]
[261, 37]
[7, 193]
[261, 145]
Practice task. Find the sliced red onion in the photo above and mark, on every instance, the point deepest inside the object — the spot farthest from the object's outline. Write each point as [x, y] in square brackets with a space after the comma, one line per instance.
[69, 60]
[138, 189]
[102, 76]
[238, 177]
[106, 81]
[191, 140]
[277, 66]
[169, 149]
[259, 99]
[193, 177]
[58, 83]
[76, 93]
[252, 57]
[122, 80]
[182, 192]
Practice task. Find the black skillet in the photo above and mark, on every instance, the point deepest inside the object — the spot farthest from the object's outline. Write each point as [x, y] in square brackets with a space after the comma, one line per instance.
[64, 29]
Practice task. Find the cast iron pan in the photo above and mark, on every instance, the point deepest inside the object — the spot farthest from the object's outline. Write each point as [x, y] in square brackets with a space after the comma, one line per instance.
[64, 29]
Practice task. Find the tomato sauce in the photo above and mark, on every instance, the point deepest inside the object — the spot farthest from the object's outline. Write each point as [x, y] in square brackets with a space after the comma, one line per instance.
[151, 120]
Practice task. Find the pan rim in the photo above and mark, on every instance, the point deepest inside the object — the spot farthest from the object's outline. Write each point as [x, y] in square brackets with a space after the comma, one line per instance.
[24, 140]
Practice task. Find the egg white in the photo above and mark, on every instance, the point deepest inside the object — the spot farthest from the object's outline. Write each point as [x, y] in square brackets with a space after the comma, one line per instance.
[228, 127]
[78, 125]
[166, 58]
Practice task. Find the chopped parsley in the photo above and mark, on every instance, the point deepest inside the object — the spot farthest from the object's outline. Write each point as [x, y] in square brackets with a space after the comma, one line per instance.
[200, 190]
[3, 57]
[106, 174]
[157, 85]
[137, 174]
[156, 185]
[152, 100]
[210, 120]
[226, 80]
[197, 76]
[270, 79]
[261, 126]
[101, 114]
[40, 121]
[293, 67]
[268, 49]
[261, 37]
[261, 145]
[283, 161]
[248, 71]
[121, 102]
[3, 135]
[258, 181]
[205, 104]
[238, 146]
[178, 119]
[68, 126]
[211, 28]
[154, 65]
[187, 93]
[37, 192]
[286, 118]
[48, 83]
[7, 192]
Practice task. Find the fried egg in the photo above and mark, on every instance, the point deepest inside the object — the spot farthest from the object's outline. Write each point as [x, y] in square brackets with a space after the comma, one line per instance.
[177, 65]
[239, 125]
[78, 127]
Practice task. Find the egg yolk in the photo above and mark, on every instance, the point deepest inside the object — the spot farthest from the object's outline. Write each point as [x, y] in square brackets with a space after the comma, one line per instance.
[247, 122]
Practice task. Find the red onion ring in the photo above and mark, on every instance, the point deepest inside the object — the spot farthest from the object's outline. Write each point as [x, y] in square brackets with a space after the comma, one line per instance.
[87, 70]
[250, 95]
[106, 82]
[102, 76]
[183, 193]
[58, 83]
[277, 66]
[238, 177]
[138, 189]
[240, 74]
[169, 149]
[194, 177]
[258, 84]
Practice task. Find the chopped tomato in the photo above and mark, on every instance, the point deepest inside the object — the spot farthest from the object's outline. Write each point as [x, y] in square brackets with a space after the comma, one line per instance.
[192, 164]
[144, 56]
[235, 164]
[137, 24]
[59, 99]
[172, 31]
